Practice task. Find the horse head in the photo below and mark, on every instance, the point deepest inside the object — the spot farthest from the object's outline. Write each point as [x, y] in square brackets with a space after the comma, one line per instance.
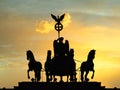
[91, 55]
[29, 55]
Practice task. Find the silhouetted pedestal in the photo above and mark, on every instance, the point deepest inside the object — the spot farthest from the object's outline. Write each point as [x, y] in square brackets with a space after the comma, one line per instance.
[59, 86]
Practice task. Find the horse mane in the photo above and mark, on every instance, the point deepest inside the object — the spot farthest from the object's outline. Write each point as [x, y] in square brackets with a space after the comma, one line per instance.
[91, 55]
[30, 55]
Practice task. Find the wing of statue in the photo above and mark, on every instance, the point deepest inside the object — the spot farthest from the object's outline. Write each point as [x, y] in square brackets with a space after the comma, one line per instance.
[54, 17]
[61, 17]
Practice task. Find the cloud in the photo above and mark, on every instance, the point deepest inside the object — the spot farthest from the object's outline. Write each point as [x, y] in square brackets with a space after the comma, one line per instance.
[45, 26]
[67, 20]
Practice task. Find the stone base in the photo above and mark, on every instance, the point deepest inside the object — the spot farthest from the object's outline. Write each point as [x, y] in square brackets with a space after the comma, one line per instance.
[59, 86]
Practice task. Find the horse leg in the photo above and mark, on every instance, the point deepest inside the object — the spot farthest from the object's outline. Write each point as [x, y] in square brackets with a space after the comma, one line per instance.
[74, 77]
[37, 76]
[28, 74]
[92, 74]
[71, 77]
[86, 79]
[82, 73]
[67, 77]
[47, 76]
[55, 80]
[61, 79]
[50, 77]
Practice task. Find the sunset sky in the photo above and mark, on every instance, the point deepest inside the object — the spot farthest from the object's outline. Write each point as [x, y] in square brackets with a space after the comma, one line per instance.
[88, 24]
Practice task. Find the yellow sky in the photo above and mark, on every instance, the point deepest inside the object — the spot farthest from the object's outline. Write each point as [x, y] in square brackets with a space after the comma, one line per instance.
[87, 25]
[82, 38]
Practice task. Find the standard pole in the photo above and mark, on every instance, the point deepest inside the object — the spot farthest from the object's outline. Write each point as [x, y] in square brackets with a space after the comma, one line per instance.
[58, 34]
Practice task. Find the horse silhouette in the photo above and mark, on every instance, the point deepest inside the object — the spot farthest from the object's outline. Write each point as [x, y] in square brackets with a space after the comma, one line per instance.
[48, 66]
[87, 66]
[33, 66]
